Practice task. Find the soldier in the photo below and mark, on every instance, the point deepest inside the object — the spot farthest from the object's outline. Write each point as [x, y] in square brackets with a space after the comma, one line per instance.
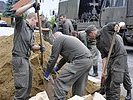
[127, 81]
[117, 69]
[90, 43]
[76, 72]
[47, 35]
[23, 43]
[66, 24]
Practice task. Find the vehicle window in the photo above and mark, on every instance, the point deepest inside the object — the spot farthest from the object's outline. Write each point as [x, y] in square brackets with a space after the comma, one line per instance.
[118, 3]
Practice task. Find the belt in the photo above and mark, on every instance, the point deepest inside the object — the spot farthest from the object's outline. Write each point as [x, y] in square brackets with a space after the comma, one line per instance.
[82, 57]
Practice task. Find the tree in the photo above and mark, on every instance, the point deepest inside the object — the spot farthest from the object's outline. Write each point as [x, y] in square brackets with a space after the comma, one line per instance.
[8, 12]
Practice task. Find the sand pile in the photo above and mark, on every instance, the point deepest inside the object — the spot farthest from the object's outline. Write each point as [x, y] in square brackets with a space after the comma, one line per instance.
[6, 76]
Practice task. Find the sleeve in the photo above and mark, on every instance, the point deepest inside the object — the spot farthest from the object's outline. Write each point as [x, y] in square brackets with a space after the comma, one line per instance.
[48, 25]
[71, 27]
[101, 48]
[18, 24]
[82, 38]
[66, 29]
[61, 63]
[18, 21]
[56, 49]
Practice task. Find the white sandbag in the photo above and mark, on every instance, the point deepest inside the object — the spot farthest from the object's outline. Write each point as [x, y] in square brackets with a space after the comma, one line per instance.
[93, 79]
[98, 96]
[40, 96]
[88, 97]
[76, 97]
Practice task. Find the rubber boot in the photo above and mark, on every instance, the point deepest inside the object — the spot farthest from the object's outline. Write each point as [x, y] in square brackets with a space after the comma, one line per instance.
[128, 97]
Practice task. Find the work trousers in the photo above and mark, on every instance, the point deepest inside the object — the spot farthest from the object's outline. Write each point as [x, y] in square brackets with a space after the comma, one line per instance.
[22, 73]
[74, 75]
[127, 81]
[113, 85]
[113, 82]
[95, 54]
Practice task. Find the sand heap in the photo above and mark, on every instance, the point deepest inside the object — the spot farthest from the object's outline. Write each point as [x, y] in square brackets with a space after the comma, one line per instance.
[6, 76]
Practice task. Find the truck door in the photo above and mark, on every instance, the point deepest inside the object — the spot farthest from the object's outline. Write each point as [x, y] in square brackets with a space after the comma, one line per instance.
[112, 10]
[129, 16]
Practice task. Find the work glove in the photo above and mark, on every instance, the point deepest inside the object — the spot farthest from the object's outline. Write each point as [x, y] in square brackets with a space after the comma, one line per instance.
[47, 75]
[56, 69]
[36, 6]
[42, 49]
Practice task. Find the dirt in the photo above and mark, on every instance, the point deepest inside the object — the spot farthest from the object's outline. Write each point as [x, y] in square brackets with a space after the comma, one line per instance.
[6, 76]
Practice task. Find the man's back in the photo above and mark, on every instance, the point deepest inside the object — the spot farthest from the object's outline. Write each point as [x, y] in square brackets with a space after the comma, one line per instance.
[72, 48]
[104, 42]
[67, 27]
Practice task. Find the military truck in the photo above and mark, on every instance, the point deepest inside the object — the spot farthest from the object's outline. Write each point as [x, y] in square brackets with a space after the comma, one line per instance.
[118, 10]
[100, 12]
[83, 11]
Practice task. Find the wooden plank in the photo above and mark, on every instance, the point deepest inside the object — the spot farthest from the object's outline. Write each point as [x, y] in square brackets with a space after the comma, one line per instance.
[19, 4]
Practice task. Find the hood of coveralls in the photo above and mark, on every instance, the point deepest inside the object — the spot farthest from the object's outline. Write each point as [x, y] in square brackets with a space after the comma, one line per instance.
[106, 34]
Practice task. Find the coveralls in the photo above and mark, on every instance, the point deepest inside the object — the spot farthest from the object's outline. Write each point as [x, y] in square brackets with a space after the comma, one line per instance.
[76, 72]
[67, 27]
[91, 45]
[117, 69]
[22, 42]
[47, 36]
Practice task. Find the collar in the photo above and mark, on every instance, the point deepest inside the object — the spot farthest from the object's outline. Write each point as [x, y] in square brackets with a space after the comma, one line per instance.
[27, 23]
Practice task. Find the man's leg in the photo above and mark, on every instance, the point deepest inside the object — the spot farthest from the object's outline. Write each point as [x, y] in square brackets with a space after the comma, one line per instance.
[95, 55]
[127, 85]
[30, 80]
[116, 80]
[79, 86]
[69, 76]
[95, 71]
[21, 78]
[107, 85]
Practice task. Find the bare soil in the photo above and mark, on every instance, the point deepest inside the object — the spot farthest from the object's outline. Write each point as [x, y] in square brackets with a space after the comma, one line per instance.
[6, 75]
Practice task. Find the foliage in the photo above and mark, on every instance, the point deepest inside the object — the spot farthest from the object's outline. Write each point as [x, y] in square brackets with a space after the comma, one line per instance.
[8, 12]
[52, 20]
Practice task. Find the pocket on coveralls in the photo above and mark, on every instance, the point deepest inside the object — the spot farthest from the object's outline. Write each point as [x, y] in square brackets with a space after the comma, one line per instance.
[117, 76]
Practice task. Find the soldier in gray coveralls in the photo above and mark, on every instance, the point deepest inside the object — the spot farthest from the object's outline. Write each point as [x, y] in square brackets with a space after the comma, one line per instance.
[91, 45]
[23, 43]
[117, 69]
[76, 72]
[67, 26]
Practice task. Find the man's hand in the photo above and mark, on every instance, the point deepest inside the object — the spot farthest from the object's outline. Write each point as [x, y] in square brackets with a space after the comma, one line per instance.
[42, 49]
[36, 6]
[47, 75]
[56, 69]
[117, 28]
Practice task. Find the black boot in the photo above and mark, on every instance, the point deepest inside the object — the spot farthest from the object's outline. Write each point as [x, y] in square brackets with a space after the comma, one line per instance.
[128, 97]
[95, 71]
